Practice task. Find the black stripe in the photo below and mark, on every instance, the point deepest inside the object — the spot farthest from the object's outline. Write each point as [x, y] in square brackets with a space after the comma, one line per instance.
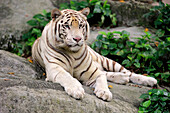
[101, 58]
[85, 55]
[58, 51]
[86, 32]
[130, 75]
[121, 68]
[93, 73]
[92, 83]
[56, 58]
[107, 64]
[55, 29]
[113, 63]
[50, 61]
[56, 75]
[86, 69]
[82, 53]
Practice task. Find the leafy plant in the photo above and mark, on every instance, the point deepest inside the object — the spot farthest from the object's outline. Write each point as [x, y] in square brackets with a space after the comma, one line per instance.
[148, 55]
[37, 23]
[100, 11]
[155, 101]
[162, 20]
[106, 43]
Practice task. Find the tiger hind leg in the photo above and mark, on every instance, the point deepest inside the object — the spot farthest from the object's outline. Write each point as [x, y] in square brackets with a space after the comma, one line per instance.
[117, 77]
[123, 78]
[142, 80]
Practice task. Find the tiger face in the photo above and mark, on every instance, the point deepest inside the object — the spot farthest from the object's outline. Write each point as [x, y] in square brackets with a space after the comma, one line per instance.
[71, 28]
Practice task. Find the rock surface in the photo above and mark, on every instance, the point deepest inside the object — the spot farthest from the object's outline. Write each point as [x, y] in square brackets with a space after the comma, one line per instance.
[130, 13]
[13, 17]
[21, 92]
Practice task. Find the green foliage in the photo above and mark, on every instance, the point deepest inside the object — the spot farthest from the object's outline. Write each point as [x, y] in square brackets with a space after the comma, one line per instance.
[162, 21]
[155, 101]
[37, 23]
[148, 55]
[100, 11]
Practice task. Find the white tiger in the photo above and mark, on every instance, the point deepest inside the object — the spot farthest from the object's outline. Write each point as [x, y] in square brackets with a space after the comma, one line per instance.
[67, 59]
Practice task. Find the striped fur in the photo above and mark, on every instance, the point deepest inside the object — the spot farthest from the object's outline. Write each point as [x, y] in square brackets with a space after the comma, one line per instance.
[62, 51]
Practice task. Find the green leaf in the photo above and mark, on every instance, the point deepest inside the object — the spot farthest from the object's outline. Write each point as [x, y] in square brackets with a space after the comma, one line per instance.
[36, 31]
[97, 9]
[125, 33]
[120, 53]
[103, 33]
[38, 16]
[157, 74]
[117, 32]
[32, 23]
[157, 111]
[44, 12]
[99, 37]
[105, 52]
[137, 64]
[144, 96]
[126, 61]
[147, 103]
[98, 44]
[112, 46]
[130, 58]
[104, 46]
[120, 45]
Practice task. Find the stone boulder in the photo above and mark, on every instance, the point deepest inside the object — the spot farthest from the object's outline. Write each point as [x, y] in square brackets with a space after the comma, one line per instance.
[21, 92]
[13, 17]
[130, 13]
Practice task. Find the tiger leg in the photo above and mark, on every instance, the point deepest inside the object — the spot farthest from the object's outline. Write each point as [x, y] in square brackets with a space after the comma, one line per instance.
[101, 88]
[123, 78]
[117, 77]
[142, 80]
[57, 74]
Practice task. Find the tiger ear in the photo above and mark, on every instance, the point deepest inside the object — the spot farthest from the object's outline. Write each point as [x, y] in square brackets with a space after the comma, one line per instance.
[55, 13]
[85, 11]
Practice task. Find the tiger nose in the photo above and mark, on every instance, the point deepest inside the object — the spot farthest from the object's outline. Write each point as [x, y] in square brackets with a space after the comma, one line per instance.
[77, 39]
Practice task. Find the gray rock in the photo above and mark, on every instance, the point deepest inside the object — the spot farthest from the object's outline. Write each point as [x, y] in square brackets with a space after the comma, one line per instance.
[13, 17]
[131, 12]
[20, 92]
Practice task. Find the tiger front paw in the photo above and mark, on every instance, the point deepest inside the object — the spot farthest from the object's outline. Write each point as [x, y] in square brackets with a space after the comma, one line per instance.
[75, 91]
[103, 94]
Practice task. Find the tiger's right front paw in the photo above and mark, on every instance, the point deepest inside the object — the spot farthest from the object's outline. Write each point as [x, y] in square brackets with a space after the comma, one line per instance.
[75, 91]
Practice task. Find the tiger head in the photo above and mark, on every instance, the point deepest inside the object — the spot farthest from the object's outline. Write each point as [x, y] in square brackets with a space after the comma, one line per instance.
[71, 28]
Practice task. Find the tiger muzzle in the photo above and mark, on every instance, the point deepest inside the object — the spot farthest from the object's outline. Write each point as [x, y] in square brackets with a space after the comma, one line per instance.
[77, 39]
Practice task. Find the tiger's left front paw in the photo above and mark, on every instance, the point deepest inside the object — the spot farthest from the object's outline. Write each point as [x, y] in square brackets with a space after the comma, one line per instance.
[103, 94]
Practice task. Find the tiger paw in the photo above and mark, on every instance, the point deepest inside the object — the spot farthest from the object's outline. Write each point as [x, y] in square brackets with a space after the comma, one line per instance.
[75, 91]
[103, 94]
[149, 81]
[143, 80]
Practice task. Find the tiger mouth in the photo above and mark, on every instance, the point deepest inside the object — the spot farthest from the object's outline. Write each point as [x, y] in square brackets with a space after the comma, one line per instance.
[73, 45]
